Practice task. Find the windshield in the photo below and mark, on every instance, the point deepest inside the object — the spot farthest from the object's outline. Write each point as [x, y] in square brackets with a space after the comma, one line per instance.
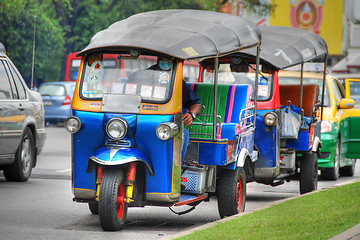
[126, 75]
[318, 81]
[242, 73]
[52, 90]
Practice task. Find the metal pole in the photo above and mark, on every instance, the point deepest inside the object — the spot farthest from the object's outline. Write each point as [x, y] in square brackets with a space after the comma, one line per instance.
[323, 89]
[215, 97]
[301, 85]
[256, 82]
[33, 57]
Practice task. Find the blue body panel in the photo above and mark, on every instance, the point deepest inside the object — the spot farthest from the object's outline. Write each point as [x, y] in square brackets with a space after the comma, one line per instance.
[213, 153]
[301, 143]
[160, 152]
[90, 137]
[266, 139]
[89, 141]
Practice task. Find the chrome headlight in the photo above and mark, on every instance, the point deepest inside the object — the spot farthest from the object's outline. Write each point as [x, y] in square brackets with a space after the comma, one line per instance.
[116, 128]
[325, 126]
[167, 130]
[270, 118]
[73, 124]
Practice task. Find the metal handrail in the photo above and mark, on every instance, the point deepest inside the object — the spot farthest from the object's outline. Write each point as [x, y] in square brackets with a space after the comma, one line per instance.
[246, 120]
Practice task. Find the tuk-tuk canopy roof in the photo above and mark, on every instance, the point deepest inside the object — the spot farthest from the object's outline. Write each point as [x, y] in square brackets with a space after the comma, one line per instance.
[283, 47]
[183, 34]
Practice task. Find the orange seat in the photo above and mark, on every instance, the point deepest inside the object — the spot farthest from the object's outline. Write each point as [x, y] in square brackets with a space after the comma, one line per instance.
[289, 92]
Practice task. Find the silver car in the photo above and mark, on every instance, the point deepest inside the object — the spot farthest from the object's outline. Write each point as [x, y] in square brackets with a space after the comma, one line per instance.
[22, 123]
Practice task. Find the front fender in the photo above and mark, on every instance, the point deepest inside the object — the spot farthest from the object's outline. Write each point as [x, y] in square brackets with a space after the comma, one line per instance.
[242, 157]
[111, 156]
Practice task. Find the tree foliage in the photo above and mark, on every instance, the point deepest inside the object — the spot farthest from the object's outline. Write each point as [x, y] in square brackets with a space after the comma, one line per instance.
[17, 19]
[65, 26]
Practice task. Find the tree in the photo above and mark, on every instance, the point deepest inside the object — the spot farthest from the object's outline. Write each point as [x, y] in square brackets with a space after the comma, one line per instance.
[17, 19]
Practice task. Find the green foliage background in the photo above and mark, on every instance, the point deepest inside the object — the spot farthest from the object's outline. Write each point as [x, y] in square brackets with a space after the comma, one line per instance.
[66, 26]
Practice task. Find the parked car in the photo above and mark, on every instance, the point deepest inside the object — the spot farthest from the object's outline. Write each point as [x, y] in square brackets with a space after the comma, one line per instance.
[57, 98]
[338, 131]
[22, 123]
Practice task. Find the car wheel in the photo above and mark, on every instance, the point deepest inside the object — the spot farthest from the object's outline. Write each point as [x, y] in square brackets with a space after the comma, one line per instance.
[20, 170]
[308, 173]
[348, 170]
[333, 173]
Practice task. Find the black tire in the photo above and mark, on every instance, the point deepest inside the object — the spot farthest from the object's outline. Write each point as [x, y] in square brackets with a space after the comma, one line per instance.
[94, 207]
[308, 173]
[112, 208]
[334, 172]
[231, 192]
[20, 170]
[348, 170]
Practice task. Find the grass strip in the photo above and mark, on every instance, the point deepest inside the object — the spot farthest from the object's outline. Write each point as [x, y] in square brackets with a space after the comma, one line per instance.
[320, 215]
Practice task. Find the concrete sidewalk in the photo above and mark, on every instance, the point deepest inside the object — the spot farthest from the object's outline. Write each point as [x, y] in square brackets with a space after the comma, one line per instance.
[351, 234]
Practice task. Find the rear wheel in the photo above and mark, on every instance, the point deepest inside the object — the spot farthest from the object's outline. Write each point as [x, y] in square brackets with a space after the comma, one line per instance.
[112, 207]
[231, 192]
[348, 170]
[308, 173]
[20, 170]
[333, 173]
[94, 207]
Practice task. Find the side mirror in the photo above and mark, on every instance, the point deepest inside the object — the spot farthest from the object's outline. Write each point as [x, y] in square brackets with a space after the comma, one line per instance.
[347, 103]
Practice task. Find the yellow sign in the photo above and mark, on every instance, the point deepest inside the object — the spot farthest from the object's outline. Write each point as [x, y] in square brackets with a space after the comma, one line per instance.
[320, 16]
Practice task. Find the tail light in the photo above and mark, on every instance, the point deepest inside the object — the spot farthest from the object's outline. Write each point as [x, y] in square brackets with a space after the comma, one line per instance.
[67, 100]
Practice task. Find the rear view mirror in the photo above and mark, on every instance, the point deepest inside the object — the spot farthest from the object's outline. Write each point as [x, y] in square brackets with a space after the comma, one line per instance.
[347, 103]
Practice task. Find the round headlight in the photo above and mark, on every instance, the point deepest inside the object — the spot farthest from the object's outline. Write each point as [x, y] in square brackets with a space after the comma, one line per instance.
[325, 126]
[270, 118]
[72, 124]
[167, 130]
[116, 128]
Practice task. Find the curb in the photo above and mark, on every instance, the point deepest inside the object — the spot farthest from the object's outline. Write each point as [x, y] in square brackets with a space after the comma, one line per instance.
[208, 225]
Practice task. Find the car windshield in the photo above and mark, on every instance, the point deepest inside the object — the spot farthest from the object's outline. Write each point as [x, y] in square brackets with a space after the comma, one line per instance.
[52, 90]
[318, 81]
[242, 73]
[127, 75]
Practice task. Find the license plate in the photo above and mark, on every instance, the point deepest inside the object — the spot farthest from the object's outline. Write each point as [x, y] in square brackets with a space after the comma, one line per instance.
[47, 103]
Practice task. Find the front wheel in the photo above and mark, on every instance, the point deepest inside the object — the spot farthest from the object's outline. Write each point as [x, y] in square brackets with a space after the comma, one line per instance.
[308, 173]
[333, 173]
[231, 192]
[348, 170]
[112, 207]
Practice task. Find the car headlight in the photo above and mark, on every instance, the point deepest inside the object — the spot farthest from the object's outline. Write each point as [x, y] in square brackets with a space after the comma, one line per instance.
[73, 124]
[116, 128]
[325, 126]
[270, 118]
[167, 130]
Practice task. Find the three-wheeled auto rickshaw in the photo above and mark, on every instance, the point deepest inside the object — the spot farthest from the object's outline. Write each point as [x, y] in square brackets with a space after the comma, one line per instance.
[126, 124]
[288, 121]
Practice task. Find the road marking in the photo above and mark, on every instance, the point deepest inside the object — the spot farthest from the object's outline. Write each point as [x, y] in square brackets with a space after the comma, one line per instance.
[65, 170]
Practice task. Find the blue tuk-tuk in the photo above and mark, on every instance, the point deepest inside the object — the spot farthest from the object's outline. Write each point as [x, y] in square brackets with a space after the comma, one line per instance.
[126, 124]
[288, 122]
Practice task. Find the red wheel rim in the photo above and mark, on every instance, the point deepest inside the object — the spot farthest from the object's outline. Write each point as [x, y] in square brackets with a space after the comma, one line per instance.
[239, 195]
[120, 205]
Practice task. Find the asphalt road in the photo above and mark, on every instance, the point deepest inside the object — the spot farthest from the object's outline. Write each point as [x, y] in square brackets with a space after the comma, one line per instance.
[42, 208]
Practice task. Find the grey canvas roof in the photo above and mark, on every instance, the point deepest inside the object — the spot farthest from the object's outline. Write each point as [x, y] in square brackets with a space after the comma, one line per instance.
[184, 34]
[284, 47]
